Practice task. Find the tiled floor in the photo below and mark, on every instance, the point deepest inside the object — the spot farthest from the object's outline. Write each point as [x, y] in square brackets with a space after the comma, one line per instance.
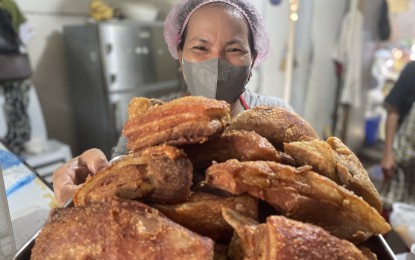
[371, 157]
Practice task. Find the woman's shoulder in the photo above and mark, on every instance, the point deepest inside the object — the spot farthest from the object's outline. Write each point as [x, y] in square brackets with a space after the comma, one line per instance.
[254, 99]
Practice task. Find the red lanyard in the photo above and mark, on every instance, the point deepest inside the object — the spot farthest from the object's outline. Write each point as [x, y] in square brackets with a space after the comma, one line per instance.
[244, 104]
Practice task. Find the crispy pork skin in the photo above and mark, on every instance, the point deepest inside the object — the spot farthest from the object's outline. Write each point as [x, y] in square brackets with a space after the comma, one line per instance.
[161, 174]
[301, 194]
[277, 124]
[280, 238]
[203, 213]
[235, 144]
[316, 153]
[140, 105]
[336, 161]
[353, 175]
[117, 230]
[185, 120]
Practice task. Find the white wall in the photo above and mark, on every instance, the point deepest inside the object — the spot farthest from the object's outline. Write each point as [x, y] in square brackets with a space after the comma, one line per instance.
[322, 83]
[314, 77]
[276, 21]
[403, 23]
[48, 17]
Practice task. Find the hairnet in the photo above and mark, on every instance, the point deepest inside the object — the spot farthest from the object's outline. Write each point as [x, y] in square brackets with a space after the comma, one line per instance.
[179, 15]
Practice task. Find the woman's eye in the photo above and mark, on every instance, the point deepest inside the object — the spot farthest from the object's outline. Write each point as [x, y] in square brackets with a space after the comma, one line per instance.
[237, 50]
[199, 48]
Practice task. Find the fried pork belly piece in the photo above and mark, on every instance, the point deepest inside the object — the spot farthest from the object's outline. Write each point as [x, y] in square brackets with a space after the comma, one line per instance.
[281, 238]
[117, 230]
[185, 120]
[301, 194]
[276, 124]
[203, 213]
[335, 161]
[235, 144]
[162, 174]
[316, 153]
[140, 105]
[353, 175]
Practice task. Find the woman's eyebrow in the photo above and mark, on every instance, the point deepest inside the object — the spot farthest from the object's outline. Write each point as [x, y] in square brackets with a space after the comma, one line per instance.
[235, 41]
[229, 42]
[198, 39]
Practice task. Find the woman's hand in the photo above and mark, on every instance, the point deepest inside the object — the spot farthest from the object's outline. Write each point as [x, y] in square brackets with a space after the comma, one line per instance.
[388, 165]
[74, 172]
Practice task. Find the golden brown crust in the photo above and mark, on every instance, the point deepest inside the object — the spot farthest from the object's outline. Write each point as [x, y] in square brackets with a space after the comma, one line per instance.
[203, 213]
[234, 144]
[302, 195]
[117, 230]
[159, 173]
[181, 121]
[276, 124]
[140, 105]
[281, 238]
[316, 153]
[353, 175]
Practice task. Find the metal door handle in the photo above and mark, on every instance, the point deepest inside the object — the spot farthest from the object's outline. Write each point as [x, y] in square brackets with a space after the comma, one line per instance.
[113, 78]
[108, 48]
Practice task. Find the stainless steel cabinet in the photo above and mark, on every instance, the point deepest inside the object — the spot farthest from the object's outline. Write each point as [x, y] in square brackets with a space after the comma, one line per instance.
[108, 64]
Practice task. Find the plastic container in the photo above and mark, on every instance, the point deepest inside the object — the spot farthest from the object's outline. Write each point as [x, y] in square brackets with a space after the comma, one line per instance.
[371, 130]
[140, 12]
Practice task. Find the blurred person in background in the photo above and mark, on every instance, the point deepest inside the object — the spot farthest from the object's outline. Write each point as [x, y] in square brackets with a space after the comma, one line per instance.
[14, 74]
[398, 163]
[226, 37]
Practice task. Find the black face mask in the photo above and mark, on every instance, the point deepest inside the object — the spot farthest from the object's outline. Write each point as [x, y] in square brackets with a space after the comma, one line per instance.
[216, 79]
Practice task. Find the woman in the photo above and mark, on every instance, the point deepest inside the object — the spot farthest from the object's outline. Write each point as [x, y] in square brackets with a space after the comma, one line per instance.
[399, 150]
[217, 43]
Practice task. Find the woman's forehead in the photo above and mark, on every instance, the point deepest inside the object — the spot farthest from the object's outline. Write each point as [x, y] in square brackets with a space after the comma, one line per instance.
[217, 15]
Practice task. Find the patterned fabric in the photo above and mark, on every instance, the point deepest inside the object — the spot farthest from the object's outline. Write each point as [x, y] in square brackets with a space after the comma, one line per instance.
[401, 188]
[15, 108]
[404, 141]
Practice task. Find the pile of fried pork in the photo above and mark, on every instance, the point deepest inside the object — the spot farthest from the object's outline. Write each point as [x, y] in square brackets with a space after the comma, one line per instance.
[200, 185]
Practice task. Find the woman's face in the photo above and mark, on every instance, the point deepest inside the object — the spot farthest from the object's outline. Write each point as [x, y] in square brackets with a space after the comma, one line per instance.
[217, 31]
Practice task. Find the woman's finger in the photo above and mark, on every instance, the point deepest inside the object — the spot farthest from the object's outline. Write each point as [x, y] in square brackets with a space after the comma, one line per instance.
[63, 181]
[93, 160]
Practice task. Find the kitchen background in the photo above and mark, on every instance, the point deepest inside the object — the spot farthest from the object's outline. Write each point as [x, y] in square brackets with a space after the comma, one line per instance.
[314, 80]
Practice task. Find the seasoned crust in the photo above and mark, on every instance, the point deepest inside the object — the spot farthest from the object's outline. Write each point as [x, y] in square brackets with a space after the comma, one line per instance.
[301, 194]
[281, 238]
[316, 153]
[277, 124]
[234, 144]
[117, 230]
[336, 161]
[353, 175]
[202, 213]
[139, 106]
[185, 120]
[161, 174]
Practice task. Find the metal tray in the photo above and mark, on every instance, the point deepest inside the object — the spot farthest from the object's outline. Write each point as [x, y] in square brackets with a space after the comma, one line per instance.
[26, 250]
